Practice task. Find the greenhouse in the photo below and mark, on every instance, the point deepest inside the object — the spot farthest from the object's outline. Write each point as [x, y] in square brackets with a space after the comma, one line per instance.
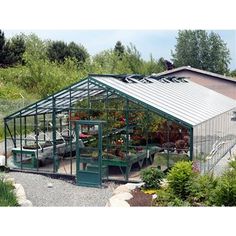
[110, 126]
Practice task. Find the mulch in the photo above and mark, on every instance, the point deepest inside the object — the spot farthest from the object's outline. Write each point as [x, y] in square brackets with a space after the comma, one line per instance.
[140, 198]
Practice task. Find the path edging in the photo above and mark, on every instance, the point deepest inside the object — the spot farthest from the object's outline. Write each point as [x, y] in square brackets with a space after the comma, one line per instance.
[20, 193]
[121, 194]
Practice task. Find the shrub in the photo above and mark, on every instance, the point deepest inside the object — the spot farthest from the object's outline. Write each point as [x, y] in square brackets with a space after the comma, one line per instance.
[180, 179]
[225, 191]
[152, 177]
[167, 198]
[202, 190]
[232, 164]
[7, 195]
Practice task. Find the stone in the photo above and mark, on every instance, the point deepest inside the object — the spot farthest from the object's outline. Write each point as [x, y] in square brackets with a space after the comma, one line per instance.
[20, 193]
[115, 202]
[10, 180]
[49, 185]
[2, 160]
[26, 203]
[132, 186]
[121, 189]
[122, 196]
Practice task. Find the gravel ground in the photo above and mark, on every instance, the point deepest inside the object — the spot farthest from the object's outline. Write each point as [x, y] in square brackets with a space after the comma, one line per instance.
[61, 193]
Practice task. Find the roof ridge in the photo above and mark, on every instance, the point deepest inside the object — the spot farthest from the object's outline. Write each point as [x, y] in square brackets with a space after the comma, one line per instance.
[198, 71]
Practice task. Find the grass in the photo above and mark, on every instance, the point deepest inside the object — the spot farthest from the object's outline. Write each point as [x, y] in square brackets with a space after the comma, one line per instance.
[7, 195]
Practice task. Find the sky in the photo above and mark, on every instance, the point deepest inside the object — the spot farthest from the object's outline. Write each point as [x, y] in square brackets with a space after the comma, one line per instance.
[159, 43]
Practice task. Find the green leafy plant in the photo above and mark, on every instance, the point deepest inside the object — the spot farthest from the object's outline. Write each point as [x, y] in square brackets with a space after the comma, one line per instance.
[225, 191]
[7, 195]
[180, 179]
[152, 177]
[202, 190]
[167, 198]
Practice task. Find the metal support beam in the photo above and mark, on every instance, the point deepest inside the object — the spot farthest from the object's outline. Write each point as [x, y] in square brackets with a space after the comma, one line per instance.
[54, 136]
[14, 130]
[5, 135]
[127, 127]
[70, 134]
[191, 144]
[21, 158]
[37, 140]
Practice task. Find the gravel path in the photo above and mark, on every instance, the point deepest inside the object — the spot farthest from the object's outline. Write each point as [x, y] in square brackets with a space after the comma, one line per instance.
[61, 193]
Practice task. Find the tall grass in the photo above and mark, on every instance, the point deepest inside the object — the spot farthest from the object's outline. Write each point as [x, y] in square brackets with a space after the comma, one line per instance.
[7, 195]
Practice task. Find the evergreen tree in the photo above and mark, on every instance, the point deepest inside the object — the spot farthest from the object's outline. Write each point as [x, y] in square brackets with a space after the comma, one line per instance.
[78, 52]
[14, 50]
[2, 45]
[57, 51]
[199, 49]
[119, 49]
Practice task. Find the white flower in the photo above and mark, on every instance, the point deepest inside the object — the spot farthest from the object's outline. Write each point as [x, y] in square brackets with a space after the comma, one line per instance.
[154, 196]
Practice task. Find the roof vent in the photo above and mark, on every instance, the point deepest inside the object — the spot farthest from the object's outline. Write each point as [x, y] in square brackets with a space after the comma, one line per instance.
[146, 80]
[164, 80]
[129, 80]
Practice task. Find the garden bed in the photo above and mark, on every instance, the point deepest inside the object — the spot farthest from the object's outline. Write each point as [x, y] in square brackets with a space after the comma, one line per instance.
[140, 198]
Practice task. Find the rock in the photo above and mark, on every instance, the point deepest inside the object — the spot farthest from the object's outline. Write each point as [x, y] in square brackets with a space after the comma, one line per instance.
[122, 196]
[49, 185]
[26, 203]
[21, 197]
[132, 186]
[20, 193]
[10, 180]
[2, 160]
[121, 189]
[115, 202]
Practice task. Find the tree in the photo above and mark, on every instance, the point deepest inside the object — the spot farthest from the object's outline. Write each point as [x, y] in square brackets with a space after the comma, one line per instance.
[57, 51]
[14, 50]
[199, 49]
[219, 54]
[2, 43]
[233, 73]
[11, 51]
[153, 66]
[78, 52]
[119, 49]
[134, 59]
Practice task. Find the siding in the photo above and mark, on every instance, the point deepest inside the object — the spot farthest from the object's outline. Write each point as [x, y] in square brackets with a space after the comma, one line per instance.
[224, 87]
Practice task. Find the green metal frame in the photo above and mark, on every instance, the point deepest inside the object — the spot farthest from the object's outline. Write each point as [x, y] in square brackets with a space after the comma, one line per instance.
[63, 101]
[88, 177]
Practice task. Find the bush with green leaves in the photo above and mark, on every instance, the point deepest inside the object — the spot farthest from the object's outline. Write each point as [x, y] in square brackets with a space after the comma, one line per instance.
[180, 179]
[7, 195]
[165, 197]
[225, 191]
[202, 190]
[152, 177]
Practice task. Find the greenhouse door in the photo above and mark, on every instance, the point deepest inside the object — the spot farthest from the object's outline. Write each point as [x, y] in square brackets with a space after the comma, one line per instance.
[89, 155]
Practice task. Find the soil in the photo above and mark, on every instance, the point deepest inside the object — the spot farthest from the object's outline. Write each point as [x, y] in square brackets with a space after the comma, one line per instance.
[140, 198]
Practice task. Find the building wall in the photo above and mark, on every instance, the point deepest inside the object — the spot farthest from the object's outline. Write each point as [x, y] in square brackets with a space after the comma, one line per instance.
[212, 140]
[224, 87]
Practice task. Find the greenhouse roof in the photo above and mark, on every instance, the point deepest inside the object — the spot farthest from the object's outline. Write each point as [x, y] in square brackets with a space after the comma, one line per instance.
[172, 97]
